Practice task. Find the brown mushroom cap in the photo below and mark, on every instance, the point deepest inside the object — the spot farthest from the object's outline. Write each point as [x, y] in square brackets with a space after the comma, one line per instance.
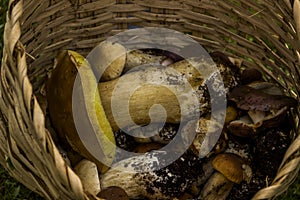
[243, 127]
[113, 193]
[248, 98]
[250, 75]
[258, 121]
[230, 165]
[266, 87]
[231, 114]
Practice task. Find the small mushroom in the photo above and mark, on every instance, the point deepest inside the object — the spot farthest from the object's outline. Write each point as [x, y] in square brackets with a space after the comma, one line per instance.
[88, 174]
[250, 75]
[243, 127]
[257, 121]
[110, 57]
[247, 98]
[231, 114]
[275, 118]
[113, 193]
[230, 169]
[217, 187]
[207, 169]
[233, 167]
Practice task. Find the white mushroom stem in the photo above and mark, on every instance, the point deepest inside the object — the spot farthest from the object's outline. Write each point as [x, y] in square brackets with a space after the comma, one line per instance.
[175, 88]
[123, 179]
[257, 116]
[217, 187]
[208, 170]
[88, 174]
[137, 184]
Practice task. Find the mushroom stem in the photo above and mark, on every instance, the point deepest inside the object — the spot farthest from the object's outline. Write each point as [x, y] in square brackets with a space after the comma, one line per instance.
[174, 87]
[217, 187]
[88, 174]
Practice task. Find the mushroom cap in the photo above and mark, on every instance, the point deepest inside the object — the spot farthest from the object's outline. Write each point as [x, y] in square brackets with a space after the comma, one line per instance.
[243, 127]
[112, 193]
[231, 114]
[248, 98]
[246, 127]
[230, 165]
[266, 87]
[250, 75]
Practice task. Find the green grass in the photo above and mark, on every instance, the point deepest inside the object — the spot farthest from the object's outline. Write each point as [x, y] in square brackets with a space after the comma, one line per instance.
[10, 189]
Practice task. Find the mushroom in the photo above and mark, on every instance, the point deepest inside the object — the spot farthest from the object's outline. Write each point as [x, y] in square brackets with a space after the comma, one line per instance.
[139, 177]
[110, 57]
[231, 169]
[250, 75]
[257, 121]
[68, 65]
[247, 98]
[264, 110]
[113, 193]
[207, 169]
[231, 114]
[88, 174]
[243, 127]
[159, 92]
[266, 87]
[217, 187]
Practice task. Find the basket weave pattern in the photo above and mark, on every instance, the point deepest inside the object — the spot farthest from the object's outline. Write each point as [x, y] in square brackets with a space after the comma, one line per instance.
[265, 33]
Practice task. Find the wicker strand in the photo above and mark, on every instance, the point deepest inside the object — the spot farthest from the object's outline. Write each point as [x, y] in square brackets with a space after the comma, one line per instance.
[44, 172]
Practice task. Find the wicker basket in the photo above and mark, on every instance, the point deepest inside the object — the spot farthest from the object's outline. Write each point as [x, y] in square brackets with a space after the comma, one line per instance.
[37, 30]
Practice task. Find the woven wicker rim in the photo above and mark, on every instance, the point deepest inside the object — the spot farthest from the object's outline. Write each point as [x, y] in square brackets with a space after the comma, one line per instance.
[36, 30]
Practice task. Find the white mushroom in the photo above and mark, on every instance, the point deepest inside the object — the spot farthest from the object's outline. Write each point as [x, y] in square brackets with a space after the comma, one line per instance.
[88, 174]
[136, 176]
[108, 59]
[231, 169]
